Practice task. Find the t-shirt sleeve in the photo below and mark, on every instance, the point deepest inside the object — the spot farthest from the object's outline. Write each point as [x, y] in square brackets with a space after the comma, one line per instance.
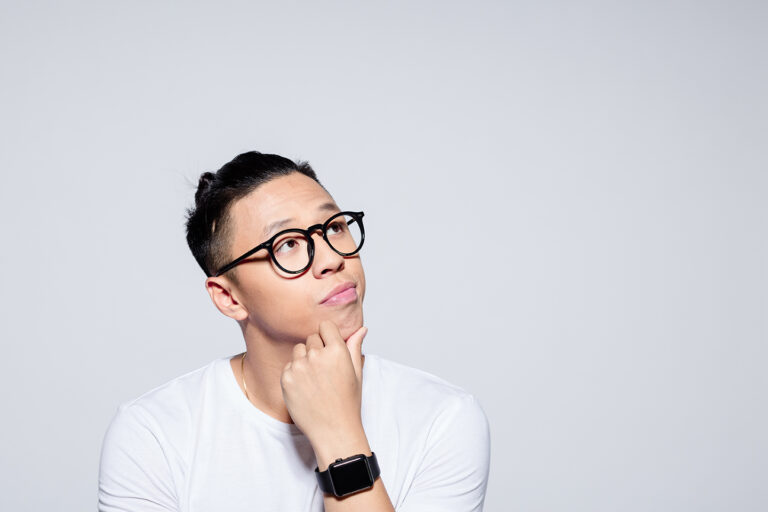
[134, 473]
[453, 474]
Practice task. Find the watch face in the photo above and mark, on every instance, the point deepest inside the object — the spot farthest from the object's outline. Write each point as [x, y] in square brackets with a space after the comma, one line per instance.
[350, 475]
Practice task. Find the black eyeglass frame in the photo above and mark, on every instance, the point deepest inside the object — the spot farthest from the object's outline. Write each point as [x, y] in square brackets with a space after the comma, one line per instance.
[356, 217]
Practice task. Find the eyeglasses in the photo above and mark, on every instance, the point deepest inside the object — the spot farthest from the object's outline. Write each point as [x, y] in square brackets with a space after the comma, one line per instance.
[293, 250]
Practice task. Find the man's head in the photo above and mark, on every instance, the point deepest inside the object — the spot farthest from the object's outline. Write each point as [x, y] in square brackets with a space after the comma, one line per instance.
[233, 209]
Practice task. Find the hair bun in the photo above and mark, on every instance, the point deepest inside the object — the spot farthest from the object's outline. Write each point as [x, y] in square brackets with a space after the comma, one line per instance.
[204, 184]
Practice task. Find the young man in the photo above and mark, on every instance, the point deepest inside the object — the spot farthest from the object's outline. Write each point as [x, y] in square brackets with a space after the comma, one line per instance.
[302, 420]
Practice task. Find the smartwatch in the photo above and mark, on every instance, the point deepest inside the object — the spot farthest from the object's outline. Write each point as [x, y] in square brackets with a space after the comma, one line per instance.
[348, 476]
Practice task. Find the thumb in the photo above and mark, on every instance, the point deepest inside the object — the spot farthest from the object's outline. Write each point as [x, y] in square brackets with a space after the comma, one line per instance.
[354, 344]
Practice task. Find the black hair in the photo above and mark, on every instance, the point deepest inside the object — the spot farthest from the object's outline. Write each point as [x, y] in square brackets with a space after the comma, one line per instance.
[209, 223]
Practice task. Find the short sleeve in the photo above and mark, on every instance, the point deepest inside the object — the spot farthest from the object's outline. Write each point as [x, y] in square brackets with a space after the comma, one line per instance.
[453, 475]
[134, 473]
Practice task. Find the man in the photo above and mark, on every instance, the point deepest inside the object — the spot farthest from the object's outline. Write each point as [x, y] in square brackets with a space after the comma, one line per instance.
[302, 420]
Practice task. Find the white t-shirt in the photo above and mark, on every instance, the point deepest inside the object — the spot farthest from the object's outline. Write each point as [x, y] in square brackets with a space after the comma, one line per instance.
[196, 444]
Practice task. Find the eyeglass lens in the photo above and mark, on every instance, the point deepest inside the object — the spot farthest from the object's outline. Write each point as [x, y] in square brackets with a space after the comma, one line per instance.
[291, 250]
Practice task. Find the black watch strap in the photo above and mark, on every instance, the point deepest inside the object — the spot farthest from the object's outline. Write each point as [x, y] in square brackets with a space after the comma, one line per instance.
[350, 475]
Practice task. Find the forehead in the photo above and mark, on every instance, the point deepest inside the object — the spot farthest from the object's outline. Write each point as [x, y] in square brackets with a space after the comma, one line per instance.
[294, 196]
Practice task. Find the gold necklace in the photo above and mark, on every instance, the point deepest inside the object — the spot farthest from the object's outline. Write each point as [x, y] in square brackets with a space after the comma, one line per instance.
[242, 371]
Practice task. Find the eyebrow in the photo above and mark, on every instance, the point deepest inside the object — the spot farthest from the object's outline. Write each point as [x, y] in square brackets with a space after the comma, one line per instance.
[271, 227]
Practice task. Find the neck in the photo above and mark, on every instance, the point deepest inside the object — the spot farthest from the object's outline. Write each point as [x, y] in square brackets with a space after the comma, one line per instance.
[263, 366]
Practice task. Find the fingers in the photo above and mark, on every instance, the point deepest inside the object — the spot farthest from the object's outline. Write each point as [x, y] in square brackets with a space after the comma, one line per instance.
[330, 337]
[299, 351]
[314, 341]
[354, 344]
[330, 333]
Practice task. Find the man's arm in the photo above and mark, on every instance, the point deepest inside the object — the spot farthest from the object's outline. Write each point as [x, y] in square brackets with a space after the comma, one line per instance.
[322, 388]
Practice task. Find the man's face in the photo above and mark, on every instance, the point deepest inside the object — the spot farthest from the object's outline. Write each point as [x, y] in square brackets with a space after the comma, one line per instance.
[279, 306]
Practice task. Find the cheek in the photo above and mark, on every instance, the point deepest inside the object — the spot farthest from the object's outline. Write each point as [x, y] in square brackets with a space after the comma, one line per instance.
[360, 281]
[295, 305]
[298, 308]
[284, 317]
[361, 290]
[279, 308]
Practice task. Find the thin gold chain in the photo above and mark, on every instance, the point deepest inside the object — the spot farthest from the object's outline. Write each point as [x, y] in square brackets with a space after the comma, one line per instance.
[242, 370]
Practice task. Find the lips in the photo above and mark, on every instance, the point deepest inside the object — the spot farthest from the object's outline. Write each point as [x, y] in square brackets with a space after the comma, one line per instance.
[338, 289]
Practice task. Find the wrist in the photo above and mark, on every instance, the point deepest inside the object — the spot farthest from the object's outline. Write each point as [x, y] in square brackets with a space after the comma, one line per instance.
[340, 445]
[349, 475]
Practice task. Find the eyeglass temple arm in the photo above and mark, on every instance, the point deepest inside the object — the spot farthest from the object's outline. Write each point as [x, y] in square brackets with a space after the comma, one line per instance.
[234, 263]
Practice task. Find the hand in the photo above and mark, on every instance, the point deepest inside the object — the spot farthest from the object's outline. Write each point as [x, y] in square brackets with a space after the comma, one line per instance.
[322, 385]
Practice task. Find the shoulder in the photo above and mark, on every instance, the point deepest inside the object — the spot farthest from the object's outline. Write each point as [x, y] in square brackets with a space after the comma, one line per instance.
[442, 433]
[168, 407]
[424, 394]
[144, 448]
[404, 378]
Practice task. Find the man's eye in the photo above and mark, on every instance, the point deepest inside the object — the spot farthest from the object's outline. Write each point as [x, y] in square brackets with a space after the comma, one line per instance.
[286, 245]
[335, 228]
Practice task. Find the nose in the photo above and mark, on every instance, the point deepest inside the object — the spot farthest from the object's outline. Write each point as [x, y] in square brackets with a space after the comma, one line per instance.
[326, 259]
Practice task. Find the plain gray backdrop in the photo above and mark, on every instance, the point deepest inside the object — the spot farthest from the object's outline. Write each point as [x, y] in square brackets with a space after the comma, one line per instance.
[565, 205]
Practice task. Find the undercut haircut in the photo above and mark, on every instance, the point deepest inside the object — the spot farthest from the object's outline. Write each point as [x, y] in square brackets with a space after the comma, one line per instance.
[209, 224]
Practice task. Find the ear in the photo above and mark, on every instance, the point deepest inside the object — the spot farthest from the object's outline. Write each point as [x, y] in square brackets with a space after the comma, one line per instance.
[222, 294]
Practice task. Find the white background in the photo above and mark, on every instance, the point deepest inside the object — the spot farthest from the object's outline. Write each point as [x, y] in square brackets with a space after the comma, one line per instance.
[565, 205]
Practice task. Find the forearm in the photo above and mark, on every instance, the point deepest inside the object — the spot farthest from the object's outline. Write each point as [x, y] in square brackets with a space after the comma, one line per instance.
[342, 445]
